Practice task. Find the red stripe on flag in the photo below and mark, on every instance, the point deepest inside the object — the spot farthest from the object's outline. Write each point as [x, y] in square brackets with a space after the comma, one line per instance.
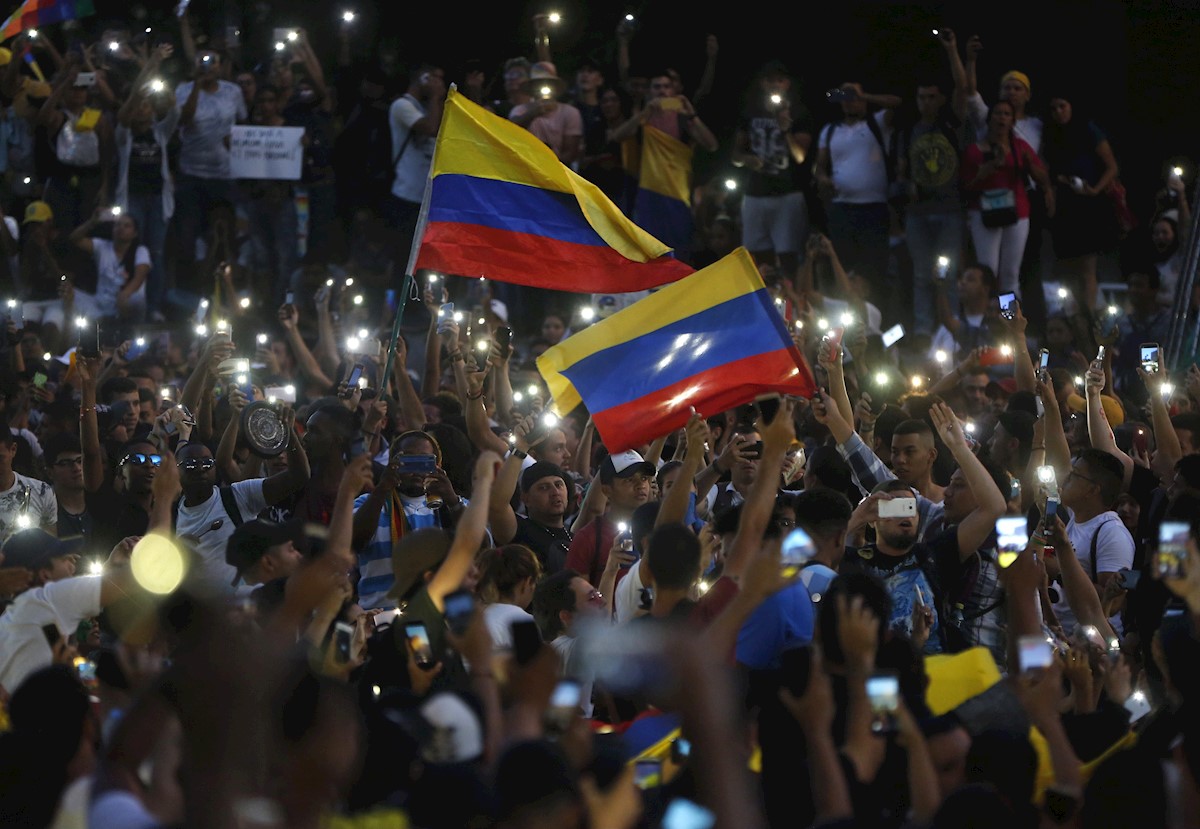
[719, 389]
[538, 261]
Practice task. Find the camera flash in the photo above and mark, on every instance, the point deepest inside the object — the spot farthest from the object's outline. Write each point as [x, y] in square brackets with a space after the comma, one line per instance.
[1006, 350]
[943, 261]
[622, 527]
[847, 318]
[1177, 172]
[458, 317]
[550, 420]
[533, 390]
[244, 302]
[1167, 389]
[96, 568]
[482, 345]
[348, 17]
[917, 381]
[941, 356]
[1063, 293]
[970, 426]
[629, 18]
[349, 281]
[262, 339]
[555, 17]
[358, 299]
[157, 85]
[518, 397]
[81, 322]
[47, 357]
[113, 46]
[881, 378]
[822, 323]
[241, 379]
[587, 313]
[279, 47]
[292, 37]
[201, 330]
[352, 343]
[140, 341]
[777, 99]
[1045, 474]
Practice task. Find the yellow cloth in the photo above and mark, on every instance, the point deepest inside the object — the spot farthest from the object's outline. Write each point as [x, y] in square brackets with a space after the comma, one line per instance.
[1013, 74]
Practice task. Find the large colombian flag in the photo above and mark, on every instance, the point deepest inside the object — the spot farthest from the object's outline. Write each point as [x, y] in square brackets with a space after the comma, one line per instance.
[501, 205]
[664, 199]
[711, 341]
[34, 13]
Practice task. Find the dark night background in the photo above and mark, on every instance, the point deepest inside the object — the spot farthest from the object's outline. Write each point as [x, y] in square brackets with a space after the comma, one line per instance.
[1133, 67]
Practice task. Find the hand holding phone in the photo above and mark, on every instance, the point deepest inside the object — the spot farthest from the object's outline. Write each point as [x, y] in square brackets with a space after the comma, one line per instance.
[417, 636]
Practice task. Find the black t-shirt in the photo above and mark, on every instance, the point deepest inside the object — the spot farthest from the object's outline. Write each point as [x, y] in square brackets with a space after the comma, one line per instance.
[145, 163]
[114, 517]
[549, 544]
[933, 566]
[595, 131]
[780, 174]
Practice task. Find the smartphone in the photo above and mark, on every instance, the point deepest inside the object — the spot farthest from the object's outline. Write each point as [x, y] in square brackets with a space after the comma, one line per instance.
[798, 549]
[994, 357]
[418, 642]
[445, 314]
[835, 335]
[684, 814]
[753, 451]
[893, 335]
[289, 298]
[384, 618]
[89, 339]
[417, 464]
[681, 750]
[1034, 652]
[1129, 578]
[39, 380]
[943, 267]
[1051, 511]
[564, 705]
[1046, 475]
[1140, 442]
[1171, 557]
[527, 641]
[768, 407]
[795, 666]
[1150, 357]
[838, 96]
[647, 773]
[883, 695]
[1011, 538]
[358, 446]
[901, 507]
[1100, 355]
[52, 634]
[389, 296]
[1006, 303]
[281, 394]
[356, 374]
[85, 79]
[137, 348]
[1014, 489]
[1044, 365]
[459, 609]
[343, 638]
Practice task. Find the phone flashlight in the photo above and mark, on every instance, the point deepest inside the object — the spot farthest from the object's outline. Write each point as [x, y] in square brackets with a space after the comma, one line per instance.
[1167, 389]
[555, 17]
[348, 17]
[1045, 474]
[587, 313]
[1063, 293]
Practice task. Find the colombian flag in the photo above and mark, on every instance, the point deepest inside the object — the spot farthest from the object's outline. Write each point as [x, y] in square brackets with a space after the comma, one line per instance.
[664, 199]
[34, 13]
[711, 341]
[501, 205]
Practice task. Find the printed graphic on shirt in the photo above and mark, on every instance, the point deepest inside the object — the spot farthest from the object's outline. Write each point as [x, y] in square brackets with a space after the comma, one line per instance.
[932, 160]
[769, 143]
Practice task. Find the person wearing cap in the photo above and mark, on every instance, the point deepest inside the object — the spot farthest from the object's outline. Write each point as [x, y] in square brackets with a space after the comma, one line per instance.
[41, 273]
[24, 502]
[55, 596]
[262, 551]
[205, 511]
[624, 479]
[1012, 441]
[546, 494]
[556, 124]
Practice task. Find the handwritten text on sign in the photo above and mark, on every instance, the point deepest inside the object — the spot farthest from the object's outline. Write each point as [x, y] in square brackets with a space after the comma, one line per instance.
[266, 152]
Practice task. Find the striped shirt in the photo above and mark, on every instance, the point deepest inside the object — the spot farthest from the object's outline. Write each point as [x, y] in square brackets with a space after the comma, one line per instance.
[869, 471]
[375, 576]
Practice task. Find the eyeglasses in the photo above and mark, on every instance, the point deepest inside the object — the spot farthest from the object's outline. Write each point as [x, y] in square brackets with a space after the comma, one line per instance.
[1074, 474]
[78, 461]
[192, 464]
[138, 459]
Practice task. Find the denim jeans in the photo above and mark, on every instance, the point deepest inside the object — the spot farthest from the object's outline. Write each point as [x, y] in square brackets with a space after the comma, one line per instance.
[273, 236]
[147, 211]
[929, 236]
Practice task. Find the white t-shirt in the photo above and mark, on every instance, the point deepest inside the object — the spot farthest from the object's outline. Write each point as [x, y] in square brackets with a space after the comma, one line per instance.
[859, 167]
[215, 575]
[42, 509]
[943, 340]
[1114, 551]
[565, 646]
[1029, 129]
[202, 151]
[119, 808]
[412, 168]
[499, 618]
[23, 646]
[627, 595]
[834, 308]
[111, 275]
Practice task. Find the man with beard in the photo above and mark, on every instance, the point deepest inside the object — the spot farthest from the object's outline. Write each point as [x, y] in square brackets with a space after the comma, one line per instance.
[405, 499]
[921, 576]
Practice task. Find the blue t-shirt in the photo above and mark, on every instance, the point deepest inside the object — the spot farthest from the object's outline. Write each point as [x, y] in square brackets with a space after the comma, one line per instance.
[783, 621]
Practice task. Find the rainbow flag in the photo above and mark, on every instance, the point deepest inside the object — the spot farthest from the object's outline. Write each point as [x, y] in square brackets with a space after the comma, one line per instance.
[711, 341]
[34, 13]
[664, 199]
[501, 205]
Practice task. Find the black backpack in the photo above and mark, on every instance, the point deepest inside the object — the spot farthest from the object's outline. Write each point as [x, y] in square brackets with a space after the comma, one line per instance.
[889, 158]
[228, 501]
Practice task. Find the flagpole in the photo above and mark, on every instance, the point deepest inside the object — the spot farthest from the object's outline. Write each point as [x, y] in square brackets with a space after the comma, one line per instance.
[406, 286]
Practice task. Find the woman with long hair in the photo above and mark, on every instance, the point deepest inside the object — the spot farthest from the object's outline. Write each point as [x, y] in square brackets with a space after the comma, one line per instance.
[122, 265]
[993, 175]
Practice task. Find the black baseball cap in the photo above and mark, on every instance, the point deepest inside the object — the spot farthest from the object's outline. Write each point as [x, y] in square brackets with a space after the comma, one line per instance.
[35, 548]
[542, 469]
[250, 542]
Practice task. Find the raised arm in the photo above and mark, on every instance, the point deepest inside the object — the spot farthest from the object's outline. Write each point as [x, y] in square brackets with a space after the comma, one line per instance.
[469, 532]
[777, 437]
[1083, 596]
[89, 431]
[674, 506]
[289, 318]
[1100, 433]
[501, 517]
[227, 466]
[1058, 451]
[1023, 372]
[291, 480]
[406, 394]
[958, 99]
[990, 502]
[711, 48]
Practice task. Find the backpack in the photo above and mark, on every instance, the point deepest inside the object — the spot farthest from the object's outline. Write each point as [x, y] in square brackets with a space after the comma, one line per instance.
[889, 159]
[228, 501]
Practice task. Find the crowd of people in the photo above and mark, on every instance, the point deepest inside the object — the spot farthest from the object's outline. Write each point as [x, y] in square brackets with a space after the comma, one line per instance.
[266, 560]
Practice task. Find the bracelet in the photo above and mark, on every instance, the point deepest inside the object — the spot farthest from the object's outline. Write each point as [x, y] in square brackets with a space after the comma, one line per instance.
[1041, 448]
[517, 453]
[475, 396]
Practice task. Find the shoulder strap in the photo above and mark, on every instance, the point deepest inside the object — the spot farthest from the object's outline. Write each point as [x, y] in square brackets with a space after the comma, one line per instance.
[403, 147]
[888, 160]
[1095, 542]
[229, 501]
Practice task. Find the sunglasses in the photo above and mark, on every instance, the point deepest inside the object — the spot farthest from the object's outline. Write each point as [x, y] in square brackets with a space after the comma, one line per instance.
[192, 464]
[138, 459]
